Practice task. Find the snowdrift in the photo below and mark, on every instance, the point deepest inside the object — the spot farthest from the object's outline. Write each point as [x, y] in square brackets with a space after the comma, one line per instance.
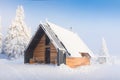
[17, 70]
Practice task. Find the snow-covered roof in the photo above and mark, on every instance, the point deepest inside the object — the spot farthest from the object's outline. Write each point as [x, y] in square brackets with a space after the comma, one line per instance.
[72, 42]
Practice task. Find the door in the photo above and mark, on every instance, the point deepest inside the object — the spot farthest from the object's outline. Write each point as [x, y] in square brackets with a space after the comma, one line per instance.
[47, 56]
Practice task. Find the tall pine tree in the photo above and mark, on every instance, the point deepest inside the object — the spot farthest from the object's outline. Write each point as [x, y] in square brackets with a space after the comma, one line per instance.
[18, 36]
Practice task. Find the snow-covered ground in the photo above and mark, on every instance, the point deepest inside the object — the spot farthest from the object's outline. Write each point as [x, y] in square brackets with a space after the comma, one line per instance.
[17, 70]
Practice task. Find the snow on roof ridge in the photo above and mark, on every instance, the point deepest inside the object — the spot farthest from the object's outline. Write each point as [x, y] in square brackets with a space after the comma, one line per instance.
[48, 22]
[71, 40]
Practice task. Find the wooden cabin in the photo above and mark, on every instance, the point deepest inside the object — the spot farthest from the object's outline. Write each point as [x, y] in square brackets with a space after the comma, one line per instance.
[51, 44]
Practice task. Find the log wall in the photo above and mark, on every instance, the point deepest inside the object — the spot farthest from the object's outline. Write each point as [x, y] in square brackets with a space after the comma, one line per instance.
[53, 54]
[39, 52]
[74, 62]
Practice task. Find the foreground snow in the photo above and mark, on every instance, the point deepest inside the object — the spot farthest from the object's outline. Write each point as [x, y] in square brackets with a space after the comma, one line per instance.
[16, 70]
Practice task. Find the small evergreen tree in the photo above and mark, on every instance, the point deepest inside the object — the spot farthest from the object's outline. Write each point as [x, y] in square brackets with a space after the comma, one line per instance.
[18, 36]
[104, 56]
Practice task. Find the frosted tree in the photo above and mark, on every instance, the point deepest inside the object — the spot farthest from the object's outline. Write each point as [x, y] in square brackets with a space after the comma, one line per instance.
[104, 54]
[104, 50]
[0, 37]
[18, 36]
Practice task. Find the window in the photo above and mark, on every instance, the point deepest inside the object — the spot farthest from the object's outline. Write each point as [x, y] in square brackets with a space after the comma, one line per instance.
[85, 55]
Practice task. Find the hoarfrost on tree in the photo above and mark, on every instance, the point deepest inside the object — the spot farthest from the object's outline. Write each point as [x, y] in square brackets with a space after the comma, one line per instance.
[18, 36]
[104, 56]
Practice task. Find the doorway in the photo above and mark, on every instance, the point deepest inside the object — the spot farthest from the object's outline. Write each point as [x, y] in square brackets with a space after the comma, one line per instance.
[47, 55]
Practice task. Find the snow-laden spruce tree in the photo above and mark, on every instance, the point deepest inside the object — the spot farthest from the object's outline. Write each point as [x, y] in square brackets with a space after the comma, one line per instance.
[18, 36]
[104, 56]
[0, 37]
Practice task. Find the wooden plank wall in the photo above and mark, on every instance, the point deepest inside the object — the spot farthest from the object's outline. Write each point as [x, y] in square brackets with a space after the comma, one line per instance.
[53, 54]
[39, 51]
[74, 62]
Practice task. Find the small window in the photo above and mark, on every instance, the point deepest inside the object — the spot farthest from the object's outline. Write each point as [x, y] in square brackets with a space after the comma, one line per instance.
[85, 55]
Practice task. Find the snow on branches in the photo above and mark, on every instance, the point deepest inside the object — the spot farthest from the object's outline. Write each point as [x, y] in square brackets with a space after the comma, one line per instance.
[18, 36]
